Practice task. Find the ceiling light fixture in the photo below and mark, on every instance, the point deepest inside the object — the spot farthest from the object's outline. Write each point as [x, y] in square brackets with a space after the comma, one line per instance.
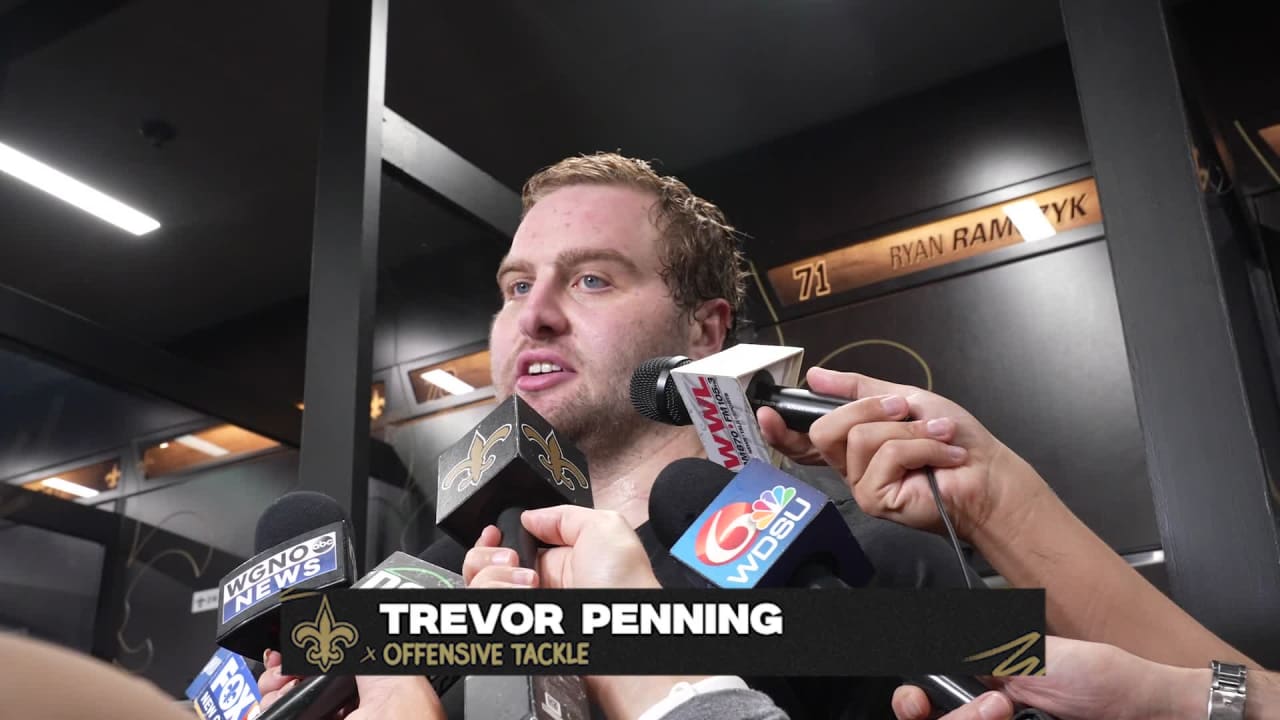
[1030, 220]
[68, 189]
[447, 382]
[68, 487]
[203, 446]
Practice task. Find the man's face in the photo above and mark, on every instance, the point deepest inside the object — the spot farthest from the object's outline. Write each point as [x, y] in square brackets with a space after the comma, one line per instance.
[584, 304]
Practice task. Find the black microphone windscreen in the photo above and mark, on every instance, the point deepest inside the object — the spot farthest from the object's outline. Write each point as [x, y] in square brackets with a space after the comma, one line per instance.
[295, 514]
[681, 492]
[654, 396]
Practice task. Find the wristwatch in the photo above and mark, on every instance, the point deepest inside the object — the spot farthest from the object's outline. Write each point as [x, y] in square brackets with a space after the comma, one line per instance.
[682, 692]
[1227, 691]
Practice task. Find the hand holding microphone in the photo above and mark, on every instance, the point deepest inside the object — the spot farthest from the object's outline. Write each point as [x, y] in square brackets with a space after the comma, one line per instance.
[1086, 680]
[589, 549]
[882, 448]
[511, 462]
[273, 684]
[884, 436]
[302, 541]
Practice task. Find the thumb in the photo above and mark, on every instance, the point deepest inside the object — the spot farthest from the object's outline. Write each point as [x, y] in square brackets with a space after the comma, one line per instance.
[988, 706]
[853, 386]
[795, 445]
[559, 525]
[775, 432]
[910, 703]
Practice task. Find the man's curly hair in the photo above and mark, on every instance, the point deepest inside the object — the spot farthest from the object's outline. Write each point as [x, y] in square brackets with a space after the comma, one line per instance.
[701, 256]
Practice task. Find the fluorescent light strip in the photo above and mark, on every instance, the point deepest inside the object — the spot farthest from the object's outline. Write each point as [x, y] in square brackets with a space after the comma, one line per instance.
[203, 446]
[1029, 220]
[68, 189]
[67, 486]
[447, 382]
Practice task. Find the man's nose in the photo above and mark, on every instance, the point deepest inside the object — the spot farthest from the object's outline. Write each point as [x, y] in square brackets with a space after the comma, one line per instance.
[541, 315]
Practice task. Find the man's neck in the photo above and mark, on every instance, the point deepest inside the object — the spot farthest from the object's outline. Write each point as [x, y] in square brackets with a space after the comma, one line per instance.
[621, 482]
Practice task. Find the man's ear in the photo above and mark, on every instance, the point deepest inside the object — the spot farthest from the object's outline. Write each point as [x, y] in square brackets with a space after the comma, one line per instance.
[708, 327]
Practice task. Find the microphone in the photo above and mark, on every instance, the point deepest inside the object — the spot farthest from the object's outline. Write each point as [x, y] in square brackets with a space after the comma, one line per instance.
[757, 528]
[655, 395]
[302, 542]
[703, 508]
[512, 461]
[322, 696]
[224, 689]
[725, 388]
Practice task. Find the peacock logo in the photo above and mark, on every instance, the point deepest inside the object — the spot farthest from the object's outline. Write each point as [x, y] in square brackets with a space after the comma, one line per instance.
[771, 502]
[731, 531]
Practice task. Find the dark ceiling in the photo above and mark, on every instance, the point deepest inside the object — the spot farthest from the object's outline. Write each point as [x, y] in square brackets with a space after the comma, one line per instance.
[511, 86]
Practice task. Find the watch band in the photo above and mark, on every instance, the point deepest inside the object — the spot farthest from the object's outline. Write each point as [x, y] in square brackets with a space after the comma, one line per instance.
[1227, 691]
[681, 692]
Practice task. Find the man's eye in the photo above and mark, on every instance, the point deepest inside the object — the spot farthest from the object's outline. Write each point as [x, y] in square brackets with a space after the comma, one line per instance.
[593, 282]
[521, 287]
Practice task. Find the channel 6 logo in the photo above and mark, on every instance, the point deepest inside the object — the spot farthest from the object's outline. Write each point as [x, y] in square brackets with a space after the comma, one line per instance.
[730, 532]
[739, 536]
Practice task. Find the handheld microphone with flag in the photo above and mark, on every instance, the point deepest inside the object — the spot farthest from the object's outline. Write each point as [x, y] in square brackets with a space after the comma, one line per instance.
[664, 388]
[749, 530]
[320, 697]
[225, 689]
[512, 461]
[724, 390]
[756, 528]
[302, 542]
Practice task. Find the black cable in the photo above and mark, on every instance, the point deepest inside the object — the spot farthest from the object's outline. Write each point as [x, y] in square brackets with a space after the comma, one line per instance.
[951, 531]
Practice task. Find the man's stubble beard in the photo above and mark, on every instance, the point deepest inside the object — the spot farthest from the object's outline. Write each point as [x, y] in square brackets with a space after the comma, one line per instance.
[601, 421]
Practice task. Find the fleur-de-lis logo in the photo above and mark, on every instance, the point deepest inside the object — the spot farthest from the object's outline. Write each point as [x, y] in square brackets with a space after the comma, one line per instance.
[472, 468]
[324, 639]
[562, 471]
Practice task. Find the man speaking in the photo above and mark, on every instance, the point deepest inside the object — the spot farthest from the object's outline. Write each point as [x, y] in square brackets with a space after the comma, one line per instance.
[611, 265]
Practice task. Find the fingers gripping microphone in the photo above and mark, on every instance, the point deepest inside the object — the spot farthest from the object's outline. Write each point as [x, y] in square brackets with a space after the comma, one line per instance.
[704, 517]
[320, 697]
[725, 389]
[512, 461]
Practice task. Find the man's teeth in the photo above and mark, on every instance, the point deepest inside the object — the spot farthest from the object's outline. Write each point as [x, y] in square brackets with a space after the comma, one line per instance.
[539, 368]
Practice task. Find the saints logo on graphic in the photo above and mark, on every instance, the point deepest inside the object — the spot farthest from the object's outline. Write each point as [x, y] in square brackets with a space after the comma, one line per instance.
[1013, 663]
[478, 461]
[563, 472]
[324, 639]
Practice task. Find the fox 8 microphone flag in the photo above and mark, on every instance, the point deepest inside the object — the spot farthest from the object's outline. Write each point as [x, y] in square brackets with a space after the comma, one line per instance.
[225, 689]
